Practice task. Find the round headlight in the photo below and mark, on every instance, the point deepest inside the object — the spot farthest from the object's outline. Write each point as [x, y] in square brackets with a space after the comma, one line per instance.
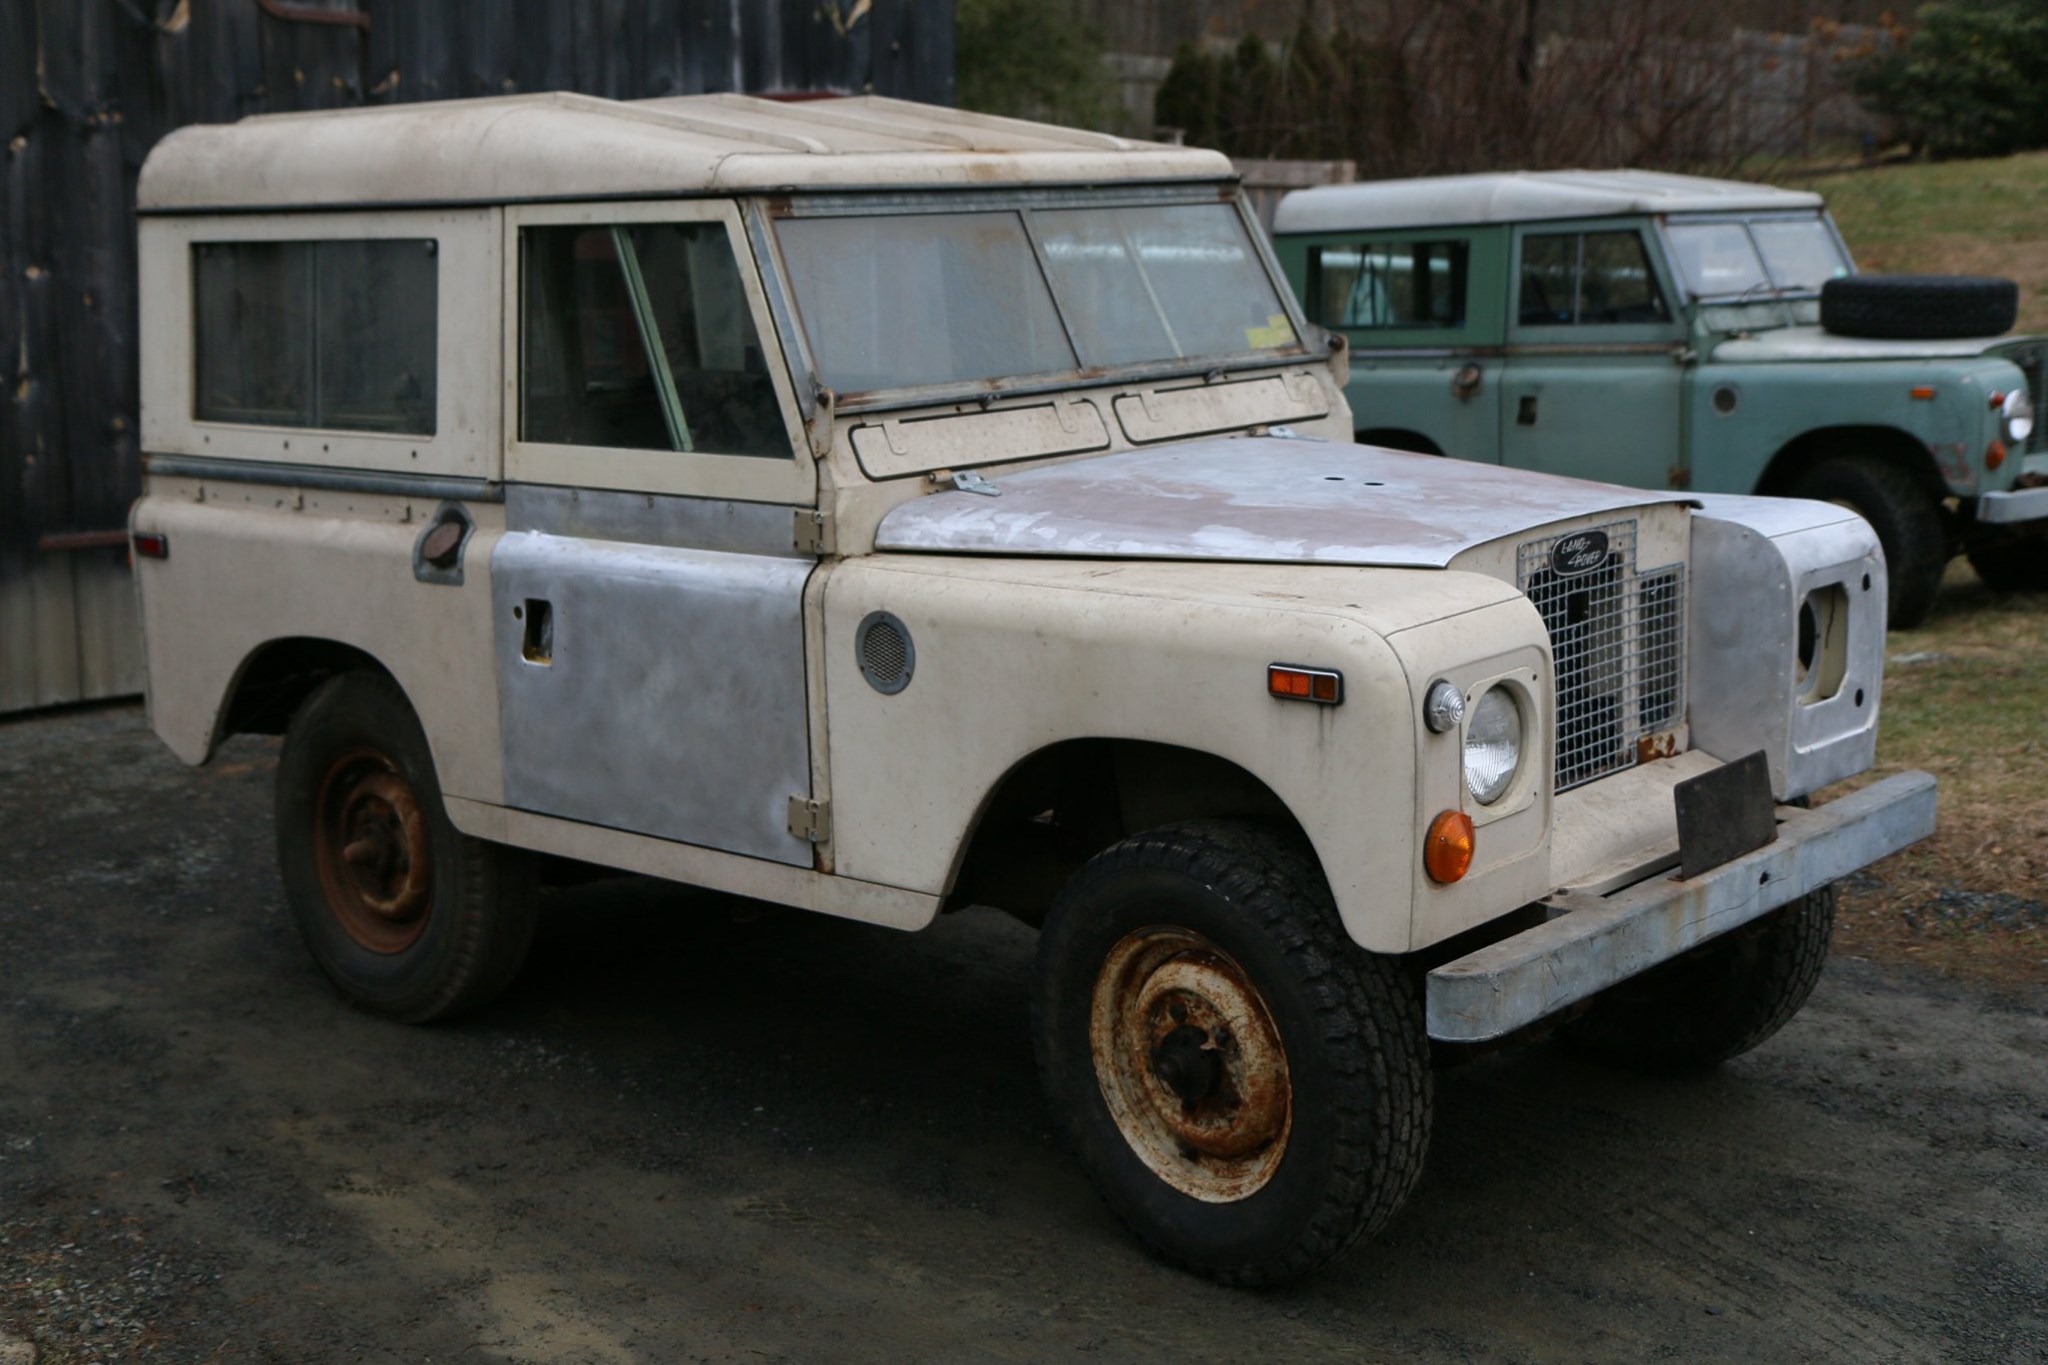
[1493, 745]
[2018, 412]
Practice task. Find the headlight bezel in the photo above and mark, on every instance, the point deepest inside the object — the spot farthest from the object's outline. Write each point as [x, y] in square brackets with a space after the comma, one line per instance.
[1494, 704]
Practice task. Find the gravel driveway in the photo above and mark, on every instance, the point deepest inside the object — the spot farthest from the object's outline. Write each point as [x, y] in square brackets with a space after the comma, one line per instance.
[704, 1130]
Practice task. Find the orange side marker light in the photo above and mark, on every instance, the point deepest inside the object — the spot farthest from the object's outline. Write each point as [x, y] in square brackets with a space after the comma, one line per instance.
[1447, 851]
[1291, 682]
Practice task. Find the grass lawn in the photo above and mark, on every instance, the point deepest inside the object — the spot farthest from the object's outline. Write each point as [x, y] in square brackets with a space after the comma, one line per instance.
[1966, 697]
[1951, 218]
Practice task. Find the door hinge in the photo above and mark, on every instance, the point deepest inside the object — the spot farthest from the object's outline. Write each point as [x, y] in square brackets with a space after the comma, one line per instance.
[810, 819]
[814, 533]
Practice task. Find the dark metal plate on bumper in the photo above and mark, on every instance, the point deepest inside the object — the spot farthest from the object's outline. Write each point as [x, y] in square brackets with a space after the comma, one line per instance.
[1724, 814]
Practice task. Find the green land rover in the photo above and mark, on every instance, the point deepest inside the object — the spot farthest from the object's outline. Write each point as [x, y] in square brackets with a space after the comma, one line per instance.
[1675, 332]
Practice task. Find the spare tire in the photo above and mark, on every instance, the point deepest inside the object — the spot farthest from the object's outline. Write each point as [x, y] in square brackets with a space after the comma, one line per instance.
[1919, 307]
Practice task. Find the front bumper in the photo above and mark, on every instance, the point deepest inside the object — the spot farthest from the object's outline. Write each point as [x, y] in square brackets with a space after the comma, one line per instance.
[1595, 940]
[2021, 504]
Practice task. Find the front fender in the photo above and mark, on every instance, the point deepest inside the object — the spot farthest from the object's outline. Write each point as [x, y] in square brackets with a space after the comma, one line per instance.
[1013, 657]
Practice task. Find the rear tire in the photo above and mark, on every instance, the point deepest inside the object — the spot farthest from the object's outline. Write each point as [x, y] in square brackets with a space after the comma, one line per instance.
[1907, 520]
[408, 917]
[1248, 1089]
[1714, 1002]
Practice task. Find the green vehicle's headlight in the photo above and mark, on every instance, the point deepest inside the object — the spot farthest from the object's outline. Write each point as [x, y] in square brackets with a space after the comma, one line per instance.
[1493, 745]
[2018, 412]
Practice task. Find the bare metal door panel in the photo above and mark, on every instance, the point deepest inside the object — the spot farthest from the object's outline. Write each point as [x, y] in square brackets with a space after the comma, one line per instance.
[654, 689]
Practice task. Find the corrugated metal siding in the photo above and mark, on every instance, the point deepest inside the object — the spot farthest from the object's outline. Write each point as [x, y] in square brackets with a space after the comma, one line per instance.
[88, 86]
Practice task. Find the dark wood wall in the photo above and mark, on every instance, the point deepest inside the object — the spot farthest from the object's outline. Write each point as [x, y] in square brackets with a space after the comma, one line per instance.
[88, 86]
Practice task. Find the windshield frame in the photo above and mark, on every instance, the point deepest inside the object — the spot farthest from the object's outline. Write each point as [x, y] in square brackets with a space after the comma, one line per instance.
[762, 213]
[1744, 219]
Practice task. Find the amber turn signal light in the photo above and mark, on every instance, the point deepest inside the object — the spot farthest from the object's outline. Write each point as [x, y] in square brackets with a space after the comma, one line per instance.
[1289, 682]
[1994, 455]
[1447, 852]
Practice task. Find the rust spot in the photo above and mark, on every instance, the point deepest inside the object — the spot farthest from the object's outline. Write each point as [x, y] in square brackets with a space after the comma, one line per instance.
[1650, 748]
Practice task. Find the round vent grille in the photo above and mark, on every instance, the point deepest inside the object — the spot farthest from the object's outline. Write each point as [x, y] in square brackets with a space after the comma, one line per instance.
[887, 658]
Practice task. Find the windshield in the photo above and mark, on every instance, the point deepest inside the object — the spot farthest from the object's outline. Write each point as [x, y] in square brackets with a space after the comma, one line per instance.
[1756, 256]
[911, 300]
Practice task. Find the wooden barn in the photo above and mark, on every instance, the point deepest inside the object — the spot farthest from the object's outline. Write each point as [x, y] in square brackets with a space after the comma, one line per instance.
[88, 86]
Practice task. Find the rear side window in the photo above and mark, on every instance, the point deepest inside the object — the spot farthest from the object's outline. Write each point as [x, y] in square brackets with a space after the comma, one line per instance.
[1588, 278]
[338, 335]
[1389, 284]
[639, 337]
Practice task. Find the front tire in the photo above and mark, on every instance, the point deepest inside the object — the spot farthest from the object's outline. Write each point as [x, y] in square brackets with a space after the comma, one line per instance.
[1249, 1091]
[1714, 1002]
[1907, 520]
[407, 916]
[2010, 558]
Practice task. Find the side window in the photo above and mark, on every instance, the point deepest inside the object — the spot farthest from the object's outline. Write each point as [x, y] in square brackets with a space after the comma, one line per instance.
[1586, 278]
[1389, 284]
[339, 335]
[639, 337]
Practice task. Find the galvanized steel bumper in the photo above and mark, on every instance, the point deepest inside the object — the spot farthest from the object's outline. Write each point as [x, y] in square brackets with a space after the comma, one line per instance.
[2021, 504]
[1596, 940]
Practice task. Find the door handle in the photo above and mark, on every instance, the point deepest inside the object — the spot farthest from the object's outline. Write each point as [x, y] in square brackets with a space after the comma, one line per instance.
[1525, 411]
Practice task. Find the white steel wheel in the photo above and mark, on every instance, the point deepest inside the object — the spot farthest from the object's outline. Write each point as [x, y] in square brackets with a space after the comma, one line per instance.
[1191, 1064]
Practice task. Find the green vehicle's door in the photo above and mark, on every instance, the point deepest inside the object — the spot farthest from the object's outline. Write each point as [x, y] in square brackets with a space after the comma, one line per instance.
[1422, 312]
[1593, 379]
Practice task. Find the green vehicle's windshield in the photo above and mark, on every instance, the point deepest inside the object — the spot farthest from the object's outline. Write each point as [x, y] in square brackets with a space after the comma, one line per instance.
[1726, 258]
[915, 300]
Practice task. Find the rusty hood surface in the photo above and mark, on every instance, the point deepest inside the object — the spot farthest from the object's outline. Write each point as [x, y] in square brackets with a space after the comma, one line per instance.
[1253, 499]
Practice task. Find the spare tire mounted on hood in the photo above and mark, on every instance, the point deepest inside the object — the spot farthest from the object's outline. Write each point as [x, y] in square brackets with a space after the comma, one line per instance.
[1919, 307]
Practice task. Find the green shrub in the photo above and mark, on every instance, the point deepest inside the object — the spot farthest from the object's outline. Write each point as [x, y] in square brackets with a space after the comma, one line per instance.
[1971, 80]
[1030, 59]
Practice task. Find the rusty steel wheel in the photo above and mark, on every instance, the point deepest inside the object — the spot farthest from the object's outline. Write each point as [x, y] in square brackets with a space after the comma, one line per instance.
[375, 859]
[1248, 1089]
[1190, 1064]
[405, 914]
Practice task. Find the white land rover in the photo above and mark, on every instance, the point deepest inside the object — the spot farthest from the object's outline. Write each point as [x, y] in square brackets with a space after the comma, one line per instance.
[878, 509]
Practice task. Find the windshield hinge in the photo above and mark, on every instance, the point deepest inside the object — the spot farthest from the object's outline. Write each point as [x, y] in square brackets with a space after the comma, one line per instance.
[814, 533]
[965, 480]
[810, 819]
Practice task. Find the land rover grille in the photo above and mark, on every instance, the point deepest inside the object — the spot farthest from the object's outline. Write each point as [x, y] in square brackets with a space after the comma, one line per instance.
[1618, 639]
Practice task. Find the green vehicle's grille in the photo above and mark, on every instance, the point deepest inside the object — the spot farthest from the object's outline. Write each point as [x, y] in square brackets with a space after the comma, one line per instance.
[1618, 640]
[2037, 389]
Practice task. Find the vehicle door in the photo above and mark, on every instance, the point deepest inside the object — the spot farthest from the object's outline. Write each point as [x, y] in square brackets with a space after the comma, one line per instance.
[648, 592]
[1593, 357]
[1422, 310]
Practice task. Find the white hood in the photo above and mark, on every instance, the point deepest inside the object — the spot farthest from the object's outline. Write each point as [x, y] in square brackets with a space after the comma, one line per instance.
[1253, 499]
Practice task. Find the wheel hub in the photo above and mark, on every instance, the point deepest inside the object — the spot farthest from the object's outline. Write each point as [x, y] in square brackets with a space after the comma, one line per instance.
[373, 848]
[1190, 1064]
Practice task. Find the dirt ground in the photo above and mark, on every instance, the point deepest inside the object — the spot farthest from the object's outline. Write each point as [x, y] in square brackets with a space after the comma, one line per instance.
[701, 1130]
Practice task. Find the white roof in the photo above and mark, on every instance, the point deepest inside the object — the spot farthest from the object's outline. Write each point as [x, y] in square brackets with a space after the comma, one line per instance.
[563, 145]
[1518, 196]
